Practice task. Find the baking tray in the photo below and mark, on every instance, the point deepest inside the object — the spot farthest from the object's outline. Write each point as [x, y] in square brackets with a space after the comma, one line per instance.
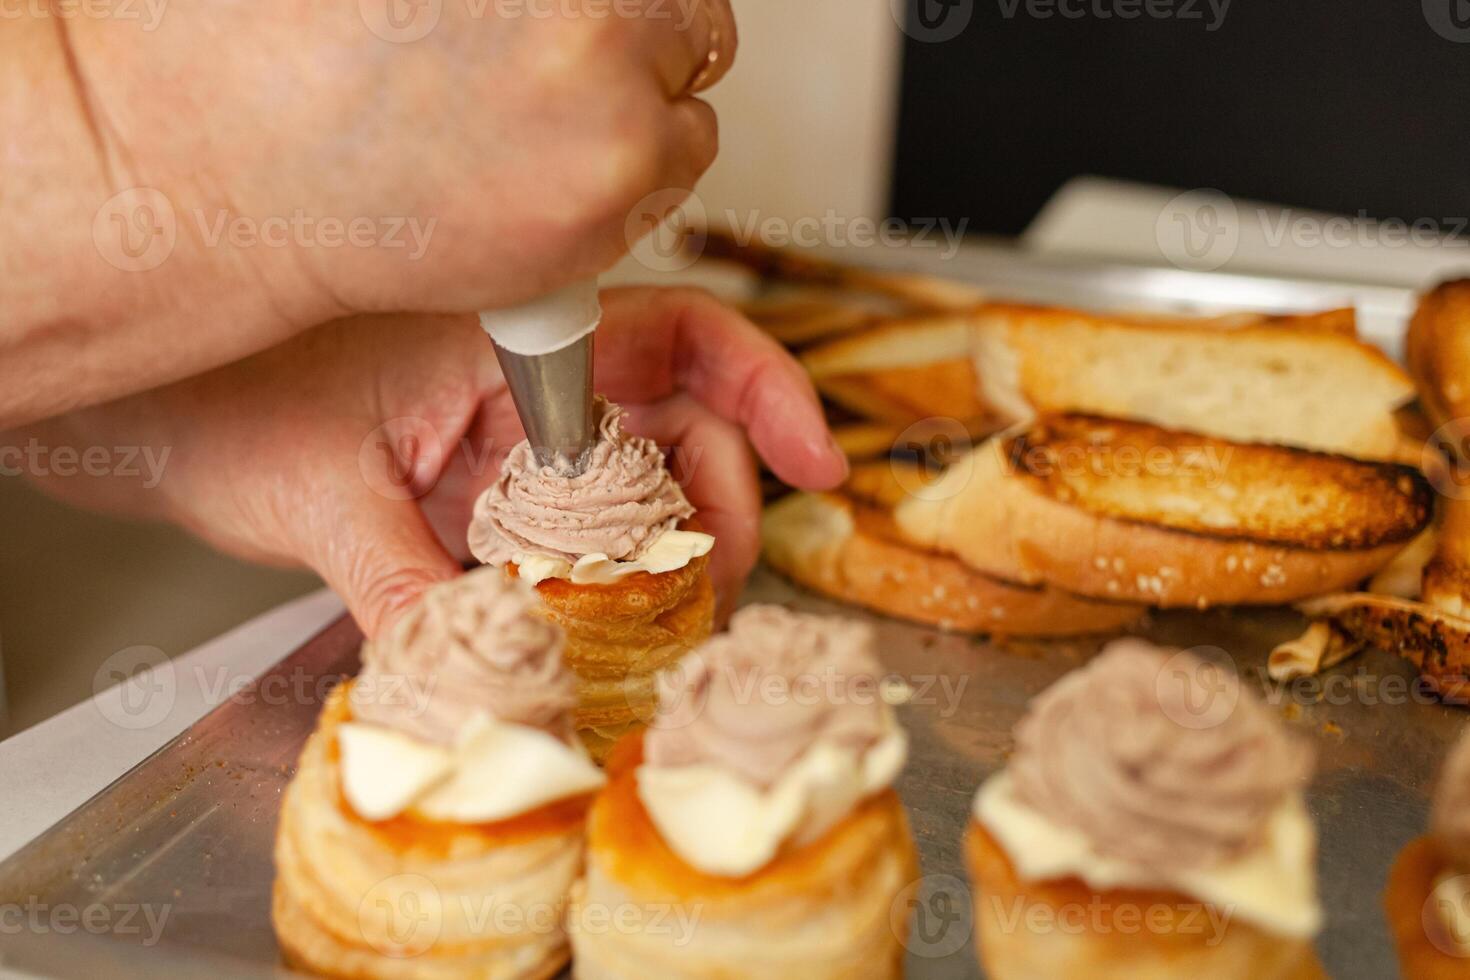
[167, 872]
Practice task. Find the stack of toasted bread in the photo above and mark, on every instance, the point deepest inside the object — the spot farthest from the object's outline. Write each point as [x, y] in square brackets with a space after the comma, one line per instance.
[1045, 472]
[1424, 615]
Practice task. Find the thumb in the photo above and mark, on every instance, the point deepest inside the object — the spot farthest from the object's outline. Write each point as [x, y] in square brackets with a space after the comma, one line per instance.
[380, 555]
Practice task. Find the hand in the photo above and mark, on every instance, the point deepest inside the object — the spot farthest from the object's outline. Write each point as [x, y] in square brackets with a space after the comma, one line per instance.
[358, 449]
[524, 131]
[494, 158]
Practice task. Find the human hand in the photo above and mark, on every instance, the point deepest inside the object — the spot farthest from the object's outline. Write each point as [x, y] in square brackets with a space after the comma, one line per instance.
[187, 195]
[359, 448]
[518, 135]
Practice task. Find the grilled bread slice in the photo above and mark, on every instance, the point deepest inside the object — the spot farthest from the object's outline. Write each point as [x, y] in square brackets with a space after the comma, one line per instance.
[917, 292]
[1314, 388]
[1125, 510]
[1438, 352]
[902, 371]
[1244, 377]
[845, 546]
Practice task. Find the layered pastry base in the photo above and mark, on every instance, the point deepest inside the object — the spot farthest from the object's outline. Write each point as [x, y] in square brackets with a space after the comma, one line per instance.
[1428, 895]
[1150, 824]
[754, 817]
[617, 561]
[434, 826]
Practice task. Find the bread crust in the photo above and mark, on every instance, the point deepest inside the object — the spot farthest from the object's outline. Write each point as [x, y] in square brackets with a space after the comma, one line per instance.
[1264, 494]
[998, 524]
[1438, 351]
[1256, 382]
[1180, 940]
[863, 560]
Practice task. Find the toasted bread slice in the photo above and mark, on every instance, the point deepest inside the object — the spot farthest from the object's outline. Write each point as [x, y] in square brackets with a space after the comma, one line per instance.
[903, 371]
[844, 545]
[1438, 352]
[919, 292]
[798, 316]
[929, 437]
[1125, 510]
[1316, 389]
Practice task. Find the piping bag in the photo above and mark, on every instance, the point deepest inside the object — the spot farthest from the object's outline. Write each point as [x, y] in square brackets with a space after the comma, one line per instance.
[545, 352]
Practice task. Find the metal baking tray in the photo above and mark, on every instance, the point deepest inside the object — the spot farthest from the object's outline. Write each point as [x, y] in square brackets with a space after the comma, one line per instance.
[167, 872]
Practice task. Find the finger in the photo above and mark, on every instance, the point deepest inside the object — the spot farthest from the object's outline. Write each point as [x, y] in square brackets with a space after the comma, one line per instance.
[654, 342]
[380, 558]
[363, 530]
[712, 462]
[691, 144]
[692, 43]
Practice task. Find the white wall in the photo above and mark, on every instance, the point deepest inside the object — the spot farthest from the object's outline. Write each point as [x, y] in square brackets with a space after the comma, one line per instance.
[806, 114]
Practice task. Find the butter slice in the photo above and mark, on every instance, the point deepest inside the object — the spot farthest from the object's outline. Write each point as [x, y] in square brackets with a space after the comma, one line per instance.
[383, 771]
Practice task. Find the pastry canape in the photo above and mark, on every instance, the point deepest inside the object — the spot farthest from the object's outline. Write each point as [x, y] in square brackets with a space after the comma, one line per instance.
[1428, 893]
[1150, 824]
[434, 825]
[616, 560]
[757, 810]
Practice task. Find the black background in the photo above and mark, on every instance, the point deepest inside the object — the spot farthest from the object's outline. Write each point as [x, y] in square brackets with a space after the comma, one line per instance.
[1337, 105]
